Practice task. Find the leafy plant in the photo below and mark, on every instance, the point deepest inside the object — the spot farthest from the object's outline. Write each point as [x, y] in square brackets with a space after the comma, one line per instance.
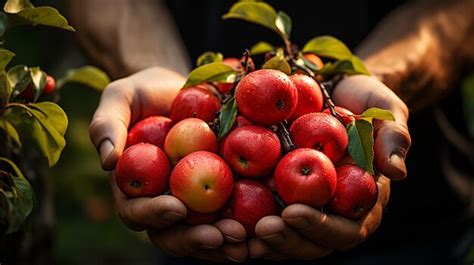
[30, 120]
[288, 58]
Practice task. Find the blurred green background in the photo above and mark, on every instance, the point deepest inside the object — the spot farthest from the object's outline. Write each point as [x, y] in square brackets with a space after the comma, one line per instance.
[87, 229]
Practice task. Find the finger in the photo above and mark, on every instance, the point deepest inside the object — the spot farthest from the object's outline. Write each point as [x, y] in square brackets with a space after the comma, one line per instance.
[258, 249]
[392, 139]
[141, 213]
[330, 231]
[200, 241]
[279, 236]
[108, 128]
[232, 230]
[333, 231]
[236, 252]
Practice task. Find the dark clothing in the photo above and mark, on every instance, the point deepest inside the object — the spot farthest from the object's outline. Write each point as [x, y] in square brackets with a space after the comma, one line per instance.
[424, 218]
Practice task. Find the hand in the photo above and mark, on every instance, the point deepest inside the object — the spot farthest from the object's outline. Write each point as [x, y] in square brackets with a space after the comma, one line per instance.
[151, 92]
[306, 233]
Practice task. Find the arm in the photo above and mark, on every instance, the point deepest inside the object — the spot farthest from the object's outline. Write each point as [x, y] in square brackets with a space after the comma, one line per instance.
[126, 36]
[420, 48]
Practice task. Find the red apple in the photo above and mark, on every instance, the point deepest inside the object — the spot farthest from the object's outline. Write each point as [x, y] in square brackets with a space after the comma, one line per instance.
[322, 132]
[239, 122]
[356, 192]
[151, 130]
[143, 170]
[250, 202]
[188, 136]
[313, 58]
[346, 115]
[195, 102]
[50, 85]
[252, 151]
[305, 176]
[310, 97]
[195, 218]
[202, 181]
[266, 97]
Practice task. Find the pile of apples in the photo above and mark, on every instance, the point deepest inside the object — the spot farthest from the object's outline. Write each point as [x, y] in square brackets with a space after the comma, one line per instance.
[249, 173]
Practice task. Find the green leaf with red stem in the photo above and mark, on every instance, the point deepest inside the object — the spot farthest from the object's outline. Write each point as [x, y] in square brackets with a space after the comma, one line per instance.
[19, 78]
[361, 144]
[227, 117]
[351, 66]
[10, 131]
[284, 24]
[38, 81]
[256, 12]
[87, 75]
[213, 72]
[5, 57]
[43, 15]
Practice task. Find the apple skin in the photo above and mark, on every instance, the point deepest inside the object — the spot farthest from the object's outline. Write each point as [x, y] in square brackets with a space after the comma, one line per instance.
[49, 85]
[250, 202]
[188, 136]
[305, 176]
[239, 122]
[202, 181]
[252, 151]
[195, 218]
[266, 97]
[195, 102]
[152, 130]
[310, 97]
[322, 132]
[356, 192]
[346, 115]
[143, 170]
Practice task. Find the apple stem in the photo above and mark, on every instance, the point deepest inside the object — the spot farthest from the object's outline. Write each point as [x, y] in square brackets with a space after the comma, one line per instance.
[285, 138]
[245, 63]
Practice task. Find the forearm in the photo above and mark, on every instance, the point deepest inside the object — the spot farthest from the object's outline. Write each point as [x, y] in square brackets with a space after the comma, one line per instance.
[126, 36]
[418, 49]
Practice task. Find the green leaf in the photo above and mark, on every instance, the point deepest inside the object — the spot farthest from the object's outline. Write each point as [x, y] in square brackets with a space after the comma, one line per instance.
[15, 6]
[209, 57]
[213, 72]
[351, 67]
[3, 23]
[41, 125]
[284, 24]
[328, 47]
[468, 102]
[11, 131]
[227, 117]
[19, 78]
[278, 62]
[43, 15]
[38, 79]
[379, 114]
[261, 47]
[21, 200]
[5, 89]
[5, 57]
[87, 75]
[256, 12]
[13, 166]
[361, 144]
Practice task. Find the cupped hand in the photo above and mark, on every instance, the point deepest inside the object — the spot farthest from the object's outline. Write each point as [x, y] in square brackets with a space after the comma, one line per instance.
[304, 233]
[392, 139]
[147, 93]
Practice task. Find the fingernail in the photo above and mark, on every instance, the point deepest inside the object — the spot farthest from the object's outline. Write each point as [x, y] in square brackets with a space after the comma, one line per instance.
[399, 163]
[106, 148]
[276, 239]
[171, 216]
[298, 222]
[207, 247]
[234, 259]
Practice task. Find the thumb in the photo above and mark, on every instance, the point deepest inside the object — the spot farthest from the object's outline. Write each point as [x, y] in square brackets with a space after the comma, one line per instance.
[108, 128]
